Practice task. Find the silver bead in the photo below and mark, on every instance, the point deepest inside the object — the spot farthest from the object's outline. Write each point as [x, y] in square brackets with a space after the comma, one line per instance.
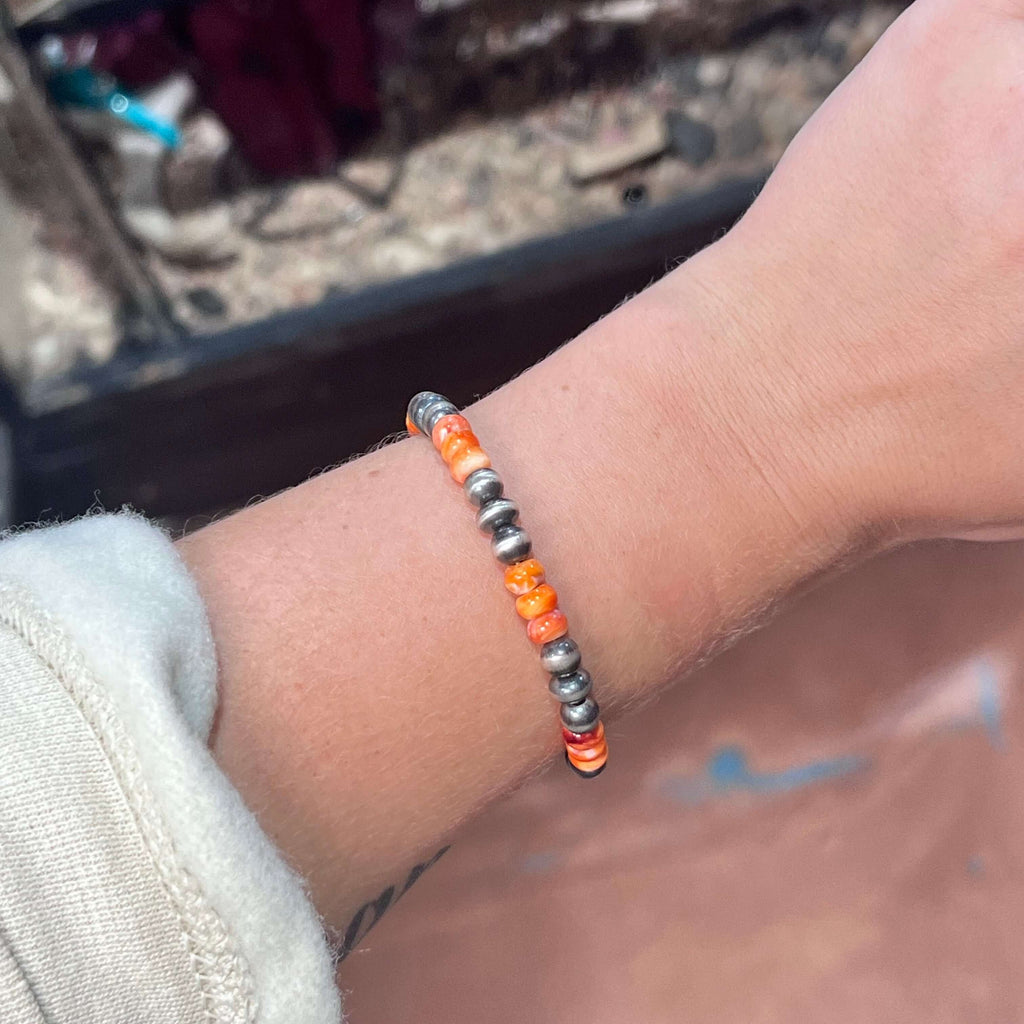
[571, 688]
[432, 413]
[582, 716]
[482, 486]
[500, 512]
[511, 544]
[560, 656]
[419, 404]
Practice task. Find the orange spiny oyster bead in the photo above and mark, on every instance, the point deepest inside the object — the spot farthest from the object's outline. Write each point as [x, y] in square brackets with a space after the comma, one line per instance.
[591, 767]
[587, 752]
[549, 626]
[455, 443]
[593, 753]
[522, 577]
[540, 600]
[449, 426]
[410, 426]
[468, 460]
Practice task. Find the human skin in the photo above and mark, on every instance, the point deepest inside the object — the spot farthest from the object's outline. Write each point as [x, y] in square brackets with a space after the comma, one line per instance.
[843, 372]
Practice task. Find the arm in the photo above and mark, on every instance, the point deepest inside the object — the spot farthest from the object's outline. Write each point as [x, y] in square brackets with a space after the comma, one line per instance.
[377, 686]
[802, 393]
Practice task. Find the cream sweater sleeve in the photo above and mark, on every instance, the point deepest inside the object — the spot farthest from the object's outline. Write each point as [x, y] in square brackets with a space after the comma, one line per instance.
[135, 886]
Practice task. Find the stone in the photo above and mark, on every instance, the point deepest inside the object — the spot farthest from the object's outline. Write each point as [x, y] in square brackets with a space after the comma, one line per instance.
[646, 139]
[206, 301]
[743, 137]
[634, 197]
[682, 75]
[690, 139]
[714, 72]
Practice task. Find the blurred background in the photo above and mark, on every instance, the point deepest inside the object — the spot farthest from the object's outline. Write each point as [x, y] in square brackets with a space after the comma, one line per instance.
[237, 235]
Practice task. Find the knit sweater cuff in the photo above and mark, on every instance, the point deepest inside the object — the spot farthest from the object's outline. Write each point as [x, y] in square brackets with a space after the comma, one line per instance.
[110, 610]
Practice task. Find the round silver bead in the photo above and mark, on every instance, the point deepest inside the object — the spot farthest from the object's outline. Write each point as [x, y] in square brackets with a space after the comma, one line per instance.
[511, 544]
[482, 486]
[497, 513]
[571, 688]
[432, 413]
[419, 404]
[582, 716]
[560, 656]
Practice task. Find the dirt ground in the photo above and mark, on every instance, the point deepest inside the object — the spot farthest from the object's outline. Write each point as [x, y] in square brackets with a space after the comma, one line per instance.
[825, 825]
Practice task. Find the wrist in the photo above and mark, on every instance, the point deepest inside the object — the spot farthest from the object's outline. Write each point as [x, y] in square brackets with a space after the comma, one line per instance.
[792, 483]
[705, 493]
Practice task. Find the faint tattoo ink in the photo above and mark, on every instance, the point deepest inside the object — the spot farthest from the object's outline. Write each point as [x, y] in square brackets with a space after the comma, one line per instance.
[371, 912]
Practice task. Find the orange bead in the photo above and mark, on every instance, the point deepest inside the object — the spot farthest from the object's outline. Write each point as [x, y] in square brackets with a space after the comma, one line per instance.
[538, 601]
[549, 626]
[522, 577]
[447, 426]
[455, 443]
[467, 461]
[410, 426]
[590, 753]
[589, 767]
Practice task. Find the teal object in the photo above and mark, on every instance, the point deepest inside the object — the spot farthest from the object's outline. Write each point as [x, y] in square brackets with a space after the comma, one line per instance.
[83, 87]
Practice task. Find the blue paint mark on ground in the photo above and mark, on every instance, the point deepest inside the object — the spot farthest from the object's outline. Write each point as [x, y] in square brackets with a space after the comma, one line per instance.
[541, 862]
[728, 771]
[990, 703]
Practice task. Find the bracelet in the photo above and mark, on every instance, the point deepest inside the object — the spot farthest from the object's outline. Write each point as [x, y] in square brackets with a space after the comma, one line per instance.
[430, 414]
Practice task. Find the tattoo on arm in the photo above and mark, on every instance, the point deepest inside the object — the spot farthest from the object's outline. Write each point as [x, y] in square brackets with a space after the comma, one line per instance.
[370, 913]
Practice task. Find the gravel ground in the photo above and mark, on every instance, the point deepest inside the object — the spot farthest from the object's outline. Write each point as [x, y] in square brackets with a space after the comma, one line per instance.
[478, 188]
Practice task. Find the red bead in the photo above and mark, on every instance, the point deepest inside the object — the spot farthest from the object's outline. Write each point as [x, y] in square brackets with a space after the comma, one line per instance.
[582, 739]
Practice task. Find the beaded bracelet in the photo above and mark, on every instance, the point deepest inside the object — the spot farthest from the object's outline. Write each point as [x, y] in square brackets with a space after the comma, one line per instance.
[432, 415]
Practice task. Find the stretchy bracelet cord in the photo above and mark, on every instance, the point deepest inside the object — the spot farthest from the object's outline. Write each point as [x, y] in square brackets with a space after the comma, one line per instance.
[433, 416]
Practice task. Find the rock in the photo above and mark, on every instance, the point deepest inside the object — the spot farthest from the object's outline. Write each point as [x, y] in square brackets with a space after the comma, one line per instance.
[714, 72]
[204, 236]
[192, 173]
[46, 355]
[692, 140]
[749, 78]
[634, 196]
[206, 301]
[743, 137]
[783, 116]
[646, 139]
[682, 75]
[834, 51]
[400, 257]
[373, 175]
[478, 189]
[6, 89]
[872, 23]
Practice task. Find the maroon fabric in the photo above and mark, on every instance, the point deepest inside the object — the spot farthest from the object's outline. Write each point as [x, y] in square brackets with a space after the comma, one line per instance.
[140, 53]
[290, 80]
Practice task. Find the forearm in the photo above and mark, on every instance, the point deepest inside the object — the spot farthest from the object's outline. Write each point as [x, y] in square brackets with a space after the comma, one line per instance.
[377, 686]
